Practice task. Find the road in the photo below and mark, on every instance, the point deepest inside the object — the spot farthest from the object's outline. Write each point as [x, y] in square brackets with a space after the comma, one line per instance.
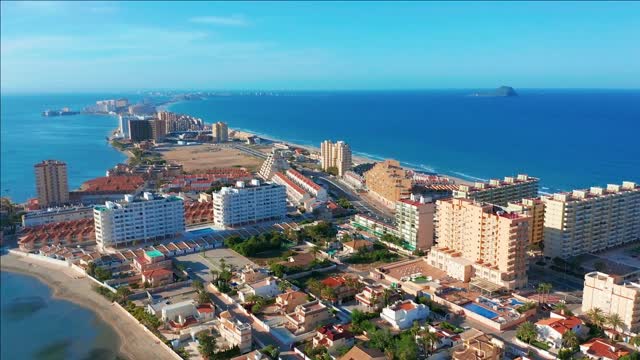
[200, 270]
[340, 190]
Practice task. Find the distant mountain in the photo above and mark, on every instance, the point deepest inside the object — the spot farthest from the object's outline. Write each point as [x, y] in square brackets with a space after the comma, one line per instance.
[502, 91]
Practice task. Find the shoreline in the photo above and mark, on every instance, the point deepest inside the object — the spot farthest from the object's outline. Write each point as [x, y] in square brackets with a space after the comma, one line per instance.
[133, 342]
[358, 157]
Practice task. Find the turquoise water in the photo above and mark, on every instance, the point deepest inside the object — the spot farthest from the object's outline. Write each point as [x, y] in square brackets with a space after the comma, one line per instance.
[481, 311]
[36, 326]
[568, 138]
[28, 138]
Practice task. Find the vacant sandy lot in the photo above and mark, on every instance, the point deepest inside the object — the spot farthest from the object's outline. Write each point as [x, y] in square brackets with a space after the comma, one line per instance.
[208, 156]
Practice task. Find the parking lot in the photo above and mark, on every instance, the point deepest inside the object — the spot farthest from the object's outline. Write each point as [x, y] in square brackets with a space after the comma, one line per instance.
[202, 263]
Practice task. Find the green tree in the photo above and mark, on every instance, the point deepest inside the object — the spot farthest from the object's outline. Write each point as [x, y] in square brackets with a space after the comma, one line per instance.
[615, 321]
[596, 317]
[570, 339]
[544, 289]
[332, 170]
[526, 332]
[207, 345]
[272, 351]
[429, 341]
[197, 284]
[123, 294]
[635, 341]
[203, 298]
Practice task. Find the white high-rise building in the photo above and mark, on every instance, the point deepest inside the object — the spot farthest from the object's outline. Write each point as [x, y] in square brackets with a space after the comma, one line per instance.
[591, 220]
[149, 217]
[249, 203]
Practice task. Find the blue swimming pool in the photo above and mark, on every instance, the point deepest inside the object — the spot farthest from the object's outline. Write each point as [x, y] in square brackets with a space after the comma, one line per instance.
[200, 232]
[515, 302]
[481, 311]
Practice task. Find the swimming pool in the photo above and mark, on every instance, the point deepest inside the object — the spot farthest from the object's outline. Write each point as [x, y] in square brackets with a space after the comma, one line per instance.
[205, 231]
[481, 311]
[515, 302]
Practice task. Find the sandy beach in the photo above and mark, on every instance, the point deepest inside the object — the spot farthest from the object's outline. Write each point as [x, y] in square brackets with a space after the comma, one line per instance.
[357, 159]
[135, 343]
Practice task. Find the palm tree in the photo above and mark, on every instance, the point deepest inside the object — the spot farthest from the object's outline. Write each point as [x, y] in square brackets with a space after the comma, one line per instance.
[386, 294]
[615, 321]
[429, 341]
[596, 317]
[544, 288]
[314, 251]
[527, 332]
[570, 339]
[123, 293]
[215, 274]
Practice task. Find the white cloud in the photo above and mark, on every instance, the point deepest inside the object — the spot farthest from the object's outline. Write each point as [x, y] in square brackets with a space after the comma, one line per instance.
[234, 20]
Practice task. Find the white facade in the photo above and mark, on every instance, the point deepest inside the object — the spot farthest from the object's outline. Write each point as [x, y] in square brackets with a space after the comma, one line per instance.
[591, 220]
[146, 218]
[248, 204]
[415, 222]
[266, 288]
[308, 185]
[402, 314]
[47, 216]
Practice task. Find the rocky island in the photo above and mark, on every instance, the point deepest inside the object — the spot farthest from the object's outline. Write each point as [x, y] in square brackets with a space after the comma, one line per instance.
[502, 91]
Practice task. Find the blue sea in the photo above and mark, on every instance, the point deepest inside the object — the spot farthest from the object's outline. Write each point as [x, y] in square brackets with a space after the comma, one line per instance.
[28, 138]
[568, 138]
[36, 326]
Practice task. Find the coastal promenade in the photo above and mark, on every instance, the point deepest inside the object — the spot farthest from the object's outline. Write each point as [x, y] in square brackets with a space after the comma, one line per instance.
[67, 284]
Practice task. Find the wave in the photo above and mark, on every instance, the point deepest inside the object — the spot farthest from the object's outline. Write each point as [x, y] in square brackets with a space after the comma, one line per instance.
[467, 176]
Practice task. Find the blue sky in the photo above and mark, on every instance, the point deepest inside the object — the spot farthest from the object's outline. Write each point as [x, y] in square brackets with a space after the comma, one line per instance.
[99, 46]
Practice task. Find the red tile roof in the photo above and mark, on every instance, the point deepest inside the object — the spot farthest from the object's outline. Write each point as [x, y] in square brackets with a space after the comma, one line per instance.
[151, 274]
[290, 183]
[602, 348]
[113, 184]
[304, 179]
[561, 325]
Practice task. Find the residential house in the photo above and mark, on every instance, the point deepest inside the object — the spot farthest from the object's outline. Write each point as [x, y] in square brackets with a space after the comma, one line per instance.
[235, 332]
[157, 277]
[250, 275]
[551, 330]
[602, 349]
[446, 337]
[360, 352]
[356, 245]
[288, 301]
[477, 345]
[307, 317]
[402, 314]
[266, 288]
[332, 337]
[341, 288]
[371, 298]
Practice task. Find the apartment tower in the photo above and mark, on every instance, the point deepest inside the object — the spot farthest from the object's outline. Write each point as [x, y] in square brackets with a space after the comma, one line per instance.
[481, 241]
[220, 132]
[336, 155]
[51, 183]
[389, 182]
[500, 192]
[149, 217]
[247, 204]
[613, 295]
[533, 207]
[591, 220]
[414, 219]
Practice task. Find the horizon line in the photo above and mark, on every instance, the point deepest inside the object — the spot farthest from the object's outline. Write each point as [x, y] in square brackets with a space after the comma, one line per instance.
[183, 90]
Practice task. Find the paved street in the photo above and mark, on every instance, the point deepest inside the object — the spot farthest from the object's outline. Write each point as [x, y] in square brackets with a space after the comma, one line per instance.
[203, 262]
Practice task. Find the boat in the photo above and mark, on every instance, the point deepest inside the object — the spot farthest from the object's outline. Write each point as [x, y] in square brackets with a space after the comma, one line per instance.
[61, 112]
